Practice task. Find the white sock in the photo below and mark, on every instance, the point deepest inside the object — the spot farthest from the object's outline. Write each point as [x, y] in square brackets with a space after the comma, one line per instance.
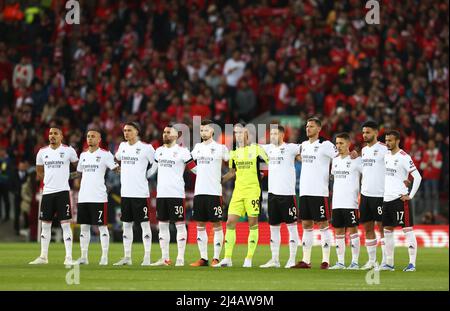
[104, 240]
[356, 245]
[412, 245]
[383, 249]
[68, 238]
[127, 238]
[164, 239]
[146, 238]
[389, 246]
[293, 240]
[218, 242]
[46, 236]
[85, 238]
[325, 237]
[181, 239]
[275, 240]
[371, 246]
[202, 242]
[340, 248]
[307, 244]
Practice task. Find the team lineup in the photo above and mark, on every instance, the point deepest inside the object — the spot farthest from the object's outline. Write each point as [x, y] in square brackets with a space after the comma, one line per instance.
[372, 189]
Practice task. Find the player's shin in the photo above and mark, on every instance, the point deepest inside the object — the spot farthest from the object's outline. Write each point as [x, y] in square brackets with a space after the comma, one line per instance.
[293, 241]
[127, 238]
[390, 246]
[85, 238]
[252, 241]
[164, 239]
[307, 245]
[230, 240]
[68, 238]
[355, 245]
[202, 242]
[275, 240]
[181, 240]
[218, 242]
[371, 245]
[104, 240]
[325, 236]
[412, 244]
[46, 236]
[146, 238]
[340, 248]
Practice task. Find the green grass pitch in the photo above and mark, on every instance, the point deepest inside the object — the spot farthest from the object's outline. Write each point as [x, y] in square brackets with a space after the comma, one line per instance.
[15, 273]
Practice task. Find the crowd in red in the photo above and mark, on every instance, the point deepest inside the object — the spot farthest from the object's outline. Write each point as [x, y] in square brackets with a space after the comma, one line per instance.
[158, 62]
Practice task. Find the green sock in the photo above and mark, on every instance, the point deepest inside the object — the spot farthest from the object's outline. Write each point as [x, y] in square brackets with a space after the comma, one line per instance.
[230, 240]
[252, 241]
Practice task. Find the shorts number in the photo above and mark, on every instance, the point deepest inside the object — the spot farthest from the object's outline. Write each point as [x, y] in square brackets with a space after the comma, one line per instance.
[68, 209]
[145, 210]
[100, 213]
[178, 210]
[380, 210]
[218, 210]
[293, 212]
[322, 210]
[353, 217]
[400, 216]
[255, 204]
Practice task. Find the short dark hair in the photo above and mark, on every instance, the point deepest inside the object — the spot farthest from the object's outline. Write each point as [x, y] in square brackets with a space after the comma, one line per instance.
[206, 122]
[135, 125]
[278, 127]
[94, 129]
[343, 135]
[56, 124]
[394, 133]
[370, 124]
[315, 120]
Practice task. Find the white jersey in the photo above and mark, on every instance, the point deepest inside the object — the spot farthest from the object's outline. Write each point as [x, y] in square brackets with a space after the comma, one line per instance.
[398, 167]
[315, 173]
[347, 174]
[171, 164]
[209, 159]
[134, 160]
[372, 184]
[282, 168]
[56, 164]
[93, 167]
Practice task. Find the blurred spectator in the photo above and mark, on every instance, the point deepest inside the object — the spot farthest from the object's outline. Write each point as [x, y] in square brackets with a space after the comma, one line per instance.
[431, 167]
[245, 102]
[5, 183]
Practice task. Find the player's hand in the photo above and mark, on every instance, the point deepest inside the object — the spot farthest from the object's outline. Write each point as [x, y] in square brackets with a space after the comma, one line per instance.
[298, 158]
[407, 182]
[405, 197]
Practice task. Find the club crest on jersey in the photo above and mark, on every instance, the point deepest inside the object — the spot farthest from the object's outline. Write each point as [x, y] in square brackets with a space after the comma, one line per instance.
[348, 164]
[61, 155]
[138, 150]
[175, 154]
[282, 150]
[98, 159]
[375, 152]
[46, 156]
[395, 162]
[213, 150]
[316, 148]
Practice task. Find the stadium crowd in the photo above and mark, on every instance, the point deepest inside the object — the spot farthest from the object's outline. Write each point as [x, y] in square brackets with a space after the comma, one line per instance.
[158, 62]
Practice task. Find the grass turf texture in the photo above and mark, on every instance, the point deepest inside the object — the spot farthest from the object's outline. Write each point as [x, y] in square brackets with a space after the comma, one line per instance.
[15, 273]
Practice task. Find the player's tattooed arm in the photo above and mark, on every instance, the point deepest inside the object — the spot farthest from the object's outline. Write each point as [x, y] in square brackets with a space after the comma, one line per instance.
[74, 175]
[40, 172]
[229, 175]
